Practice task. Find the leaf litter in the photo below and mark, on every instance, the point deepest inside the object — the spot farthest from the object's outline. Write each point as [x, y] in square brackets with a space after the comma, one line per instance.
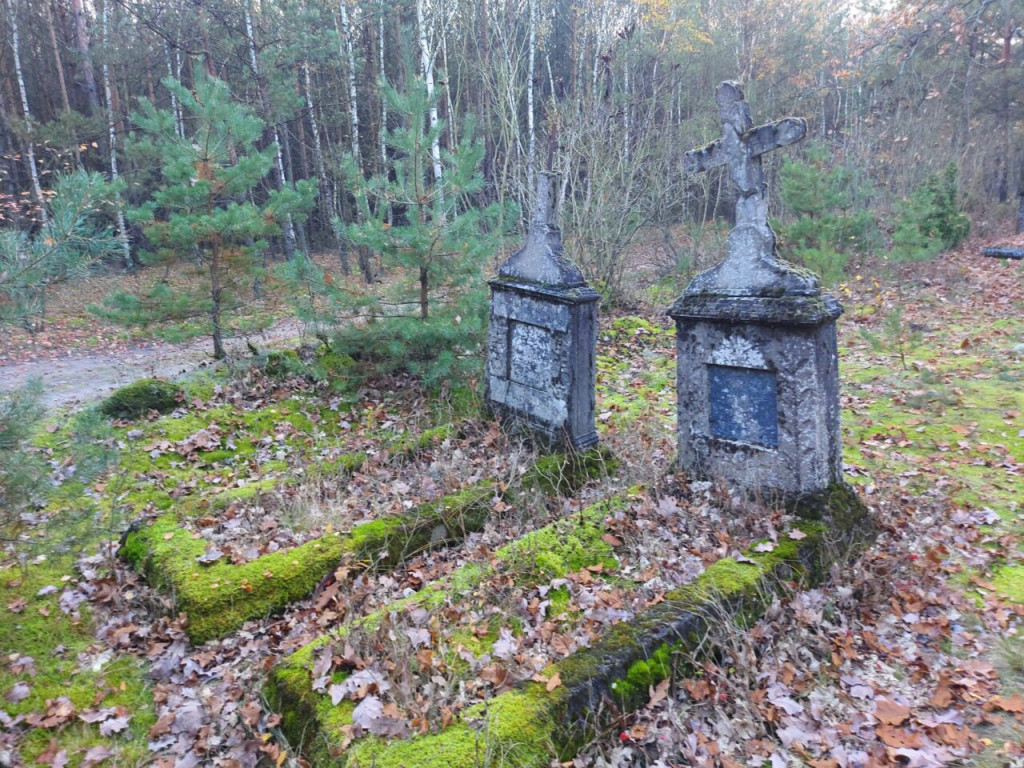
[887, 664]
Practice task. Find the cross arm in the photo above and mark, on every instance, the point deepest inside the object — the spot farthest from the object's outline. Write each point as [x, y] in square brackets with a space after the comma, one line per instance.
[781, 133]
[705, 158]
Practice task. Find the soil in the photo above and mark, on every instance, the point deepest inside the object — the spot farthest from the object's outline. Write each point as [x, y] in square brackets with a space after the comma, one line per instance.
[81, 377]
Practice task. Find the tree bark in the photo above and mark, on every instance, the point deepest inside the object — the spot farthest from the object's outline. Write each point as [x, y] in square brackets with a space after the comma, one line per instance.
[122, 230]
[288, 227]
[427, 64]
[30, 152]
[85, 55]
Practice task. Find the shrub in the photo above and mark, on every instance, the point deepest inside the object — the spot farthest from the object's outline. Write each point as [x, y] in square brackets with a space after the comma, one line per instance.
[141, 397]
[827, 228]
[930, 221]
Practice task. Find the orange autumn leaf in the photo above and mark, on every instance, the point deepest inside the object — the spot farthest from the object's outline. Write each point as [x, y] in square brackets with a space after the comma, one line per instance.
[889, 712]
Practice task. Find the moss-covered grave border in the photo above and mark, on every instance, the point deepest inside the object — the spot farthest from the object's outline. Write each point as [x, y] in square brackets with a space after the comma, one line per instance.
[219, 597]
[530, 725]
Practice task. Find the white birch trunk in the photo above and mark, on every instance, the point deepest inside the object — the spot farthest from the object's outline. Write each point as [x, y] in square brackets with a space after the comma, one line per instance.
[353, 112]
[179, 126]
[288, 227]
[531, 153]
[427, 63]
[324, 184]
[30, 151]
[122, 230]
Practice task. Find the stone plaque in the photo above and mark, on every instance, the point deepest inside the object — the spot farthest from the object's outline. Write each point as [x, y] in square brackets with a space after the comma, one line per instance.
[743, 405]
[531, 356]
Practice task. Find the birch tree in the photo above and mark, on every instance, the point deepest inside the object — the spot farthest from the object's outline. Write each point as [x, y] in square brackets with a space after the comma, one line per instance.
[30, 150]
[122, 230]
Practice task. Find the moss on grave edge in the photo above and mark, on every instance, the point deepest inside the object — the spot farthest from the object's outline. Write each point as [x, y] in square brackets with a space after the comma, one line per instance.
[218, 598]
[565, 473]
[313, 725]
[529, 726]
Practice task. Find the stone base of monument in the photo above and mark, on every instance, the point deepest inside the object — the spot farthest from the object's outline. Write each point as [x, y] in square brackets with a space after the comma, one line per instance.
[541, 360]
[758, 392]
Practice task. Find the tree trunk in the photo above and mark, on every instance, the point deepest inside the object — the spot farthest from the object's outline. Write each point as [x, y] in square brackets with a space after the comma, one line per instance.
[353, 111]
[424, 294]
[85, 56]
[30, 152]
[324, 184]
[122, 230]
[427, 64]
[58, 62]
[531, 152]
[288, 227]
[216, 294]
[1020, 211]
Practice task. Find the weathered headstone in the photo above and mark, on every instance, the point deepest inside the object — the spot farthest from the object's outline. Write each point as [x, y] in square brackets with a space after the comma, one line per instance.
[541, 343]
[757, 379]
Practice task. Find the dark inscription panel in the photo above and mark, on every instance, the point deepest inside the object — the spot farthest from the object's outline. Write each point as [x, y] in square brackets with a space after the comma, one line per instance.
[744, 406]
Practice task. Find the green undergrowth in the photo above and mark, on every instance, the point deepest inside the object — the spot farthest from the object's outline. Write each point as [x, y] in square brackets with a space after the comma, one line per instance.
[533, 726]
[55, 654]
[961, 427]
[553, 551]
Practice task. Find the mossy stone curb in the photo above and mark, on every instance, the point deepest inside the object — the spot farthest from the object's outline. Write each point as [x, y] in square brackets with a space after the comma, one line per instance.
[220, 597]
[565, 546]
[530, 725]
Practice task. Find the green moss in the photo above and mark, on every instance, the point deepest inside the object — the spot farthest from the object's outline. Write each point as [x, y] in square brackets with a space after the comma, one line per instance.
[411, 445]
[561, 548]
[220, 597]
[514, 730]
[58, 644]
[141, 397]
[387, 541]
[1009, 581]
[566, 473]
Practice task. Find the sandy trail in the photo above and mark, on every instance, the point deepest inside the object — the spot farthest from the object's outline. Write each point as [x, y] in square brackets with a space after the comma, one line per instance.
[81, 378]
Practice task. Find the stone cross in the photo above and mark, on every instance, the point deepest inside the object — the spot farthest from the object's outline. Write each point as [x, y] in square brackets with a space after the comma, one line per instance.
[751, 267]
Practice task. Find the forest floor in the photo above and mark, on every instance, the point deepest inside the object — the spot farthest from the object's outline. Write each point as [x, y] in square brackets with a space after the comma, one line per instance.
[909, 656]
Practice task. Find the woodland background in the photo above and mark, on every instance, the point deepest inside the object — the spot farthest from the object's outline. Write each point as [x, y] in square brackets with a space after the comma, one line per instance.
[893, 91]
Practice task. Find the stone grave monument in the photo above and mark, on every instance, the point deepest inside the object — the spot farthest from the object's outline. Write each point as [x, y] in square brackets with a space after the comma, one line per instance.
[541, 366]
[757, 379]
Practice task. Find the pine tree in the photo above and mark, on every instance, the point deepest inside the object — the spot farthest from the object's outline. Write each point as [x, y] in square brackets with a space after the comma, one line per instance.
[64, 247]
[203, 211]
[429, 311]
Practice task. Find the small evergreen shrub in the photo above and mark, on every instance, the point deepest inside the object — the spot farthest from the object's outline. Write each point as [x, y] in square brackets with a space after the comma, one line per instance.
[141, 397]
[930, 221]
[23, 474]
[831, 217]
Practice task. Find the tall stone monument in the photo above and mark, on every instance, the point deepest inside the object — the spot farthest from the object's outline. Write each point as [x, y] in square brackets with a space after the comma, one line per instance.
[757, 378]
[541, 366]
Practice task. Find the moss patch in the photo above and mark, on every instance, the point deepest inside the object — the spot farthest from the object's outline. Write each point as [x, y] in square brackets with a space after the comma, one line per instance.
[566, 473]
[141, 397]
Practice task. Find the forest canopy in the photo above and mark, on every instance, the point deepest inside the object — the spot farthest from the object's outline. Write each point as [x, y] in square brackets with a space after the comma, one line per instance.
[894, 94]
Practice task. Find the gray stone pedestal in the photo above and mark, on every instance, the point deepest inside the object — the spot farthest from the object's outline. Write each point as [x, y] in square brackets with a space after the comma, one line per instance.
[758, 387]
[758, 371]
[541, 366]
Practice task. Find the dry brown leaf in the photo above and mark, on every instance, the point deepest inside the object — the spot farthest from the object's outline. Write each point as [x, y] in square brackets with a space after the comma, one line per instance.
[554, 682]
[890, 712]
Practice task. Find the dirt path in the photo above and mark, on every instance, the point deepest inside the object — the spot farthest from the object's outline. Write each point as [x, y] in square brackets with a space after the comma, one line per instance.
[80, 378]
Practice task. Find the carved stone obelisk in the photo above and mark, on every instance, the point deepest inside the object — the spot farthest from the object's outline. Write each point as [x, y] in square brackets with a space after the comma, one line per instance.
[541, 366]
[757, 370]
